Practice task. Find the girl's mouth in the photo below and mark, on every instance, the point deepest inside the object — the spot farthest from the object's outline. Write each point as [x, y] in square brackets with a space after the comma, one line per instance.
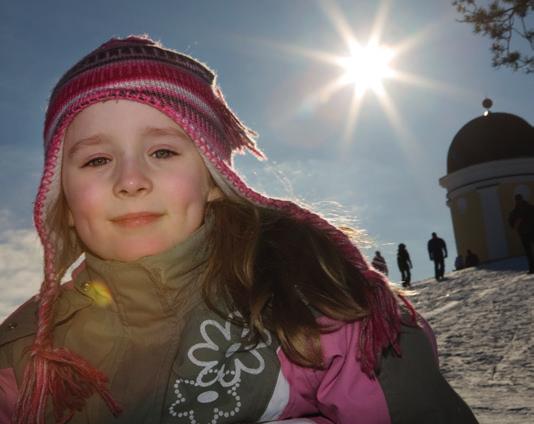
[132, 220]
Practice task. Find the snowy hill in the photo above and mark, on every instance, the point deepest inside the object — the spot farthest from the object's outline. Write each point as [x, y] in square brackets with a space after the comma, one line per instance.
[484, 320]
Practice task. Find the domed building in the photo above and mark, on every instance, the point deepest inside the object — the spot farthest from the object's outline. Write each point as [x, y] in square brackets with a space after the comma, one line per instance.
[490, 160]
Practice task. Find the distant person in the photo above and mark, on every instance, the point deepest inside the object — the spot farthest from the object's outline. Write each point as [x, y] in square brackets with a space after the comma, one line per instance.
[521, 219]
[379, 263]
[437, 250]
[459, 263]
[471, 259]
[405, 263]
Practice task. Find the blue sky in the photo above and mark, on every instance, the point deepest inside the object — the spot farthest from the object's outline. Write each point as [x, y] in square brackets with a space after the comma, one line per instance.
[383, 178]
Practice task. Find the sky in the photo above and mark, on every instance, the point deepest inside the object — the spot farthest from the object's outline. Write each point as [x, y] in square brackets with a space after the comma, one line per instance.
[376, 170]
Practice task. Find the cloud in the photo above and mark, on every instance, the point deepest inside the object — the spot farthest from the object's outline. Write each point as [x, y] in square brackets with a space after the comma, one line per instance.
[20, 265]
[20, 171]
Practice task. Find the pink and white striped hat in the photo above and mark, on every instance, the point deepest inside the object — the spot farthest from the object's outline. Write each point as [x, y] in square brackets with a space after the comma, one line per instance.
[139, 69]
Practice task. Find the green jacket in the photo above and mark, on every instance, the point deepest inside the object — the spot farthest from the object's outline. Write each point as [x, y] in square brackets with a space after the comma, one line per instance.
[134, 321]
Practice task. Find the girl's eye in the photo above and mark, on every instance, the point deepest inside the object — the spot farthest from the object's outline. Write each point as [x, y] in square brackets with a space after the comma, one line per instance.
[96, 162]
[163, 154]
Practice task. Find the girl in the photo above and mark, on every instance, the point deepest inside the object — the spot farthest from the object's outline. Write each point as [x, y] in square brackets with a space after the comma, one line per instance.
[199, 299]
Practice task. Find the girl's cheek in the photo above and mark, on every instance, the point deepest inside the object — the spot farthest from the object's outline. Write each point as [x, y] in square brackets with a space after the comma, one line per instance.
[85, 198]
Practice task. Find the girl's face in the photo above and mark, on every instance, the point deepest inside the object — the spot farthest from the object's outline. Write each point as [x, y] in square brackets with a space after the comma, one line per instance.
[134, 182]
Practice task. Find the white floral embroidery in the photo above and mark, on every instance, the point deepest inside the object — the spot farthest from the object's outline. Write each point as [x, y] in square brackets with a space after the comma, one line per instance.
[228, 372]
[212, 396]
[228, 405]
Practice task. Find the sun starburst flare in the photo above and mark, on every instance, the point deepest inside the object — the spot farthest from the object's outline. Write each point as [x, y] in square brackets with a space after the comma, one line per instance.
[367, 66]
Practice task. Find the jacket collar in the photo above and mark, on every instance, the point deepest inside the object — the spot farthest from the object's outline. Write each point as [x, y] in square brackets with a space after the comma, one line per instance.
[140, 291]
[149, 288]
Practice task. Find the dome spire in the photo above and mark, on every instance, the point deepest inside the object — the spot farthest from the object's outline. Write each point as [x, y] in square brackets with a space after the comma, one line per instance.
[487, 103]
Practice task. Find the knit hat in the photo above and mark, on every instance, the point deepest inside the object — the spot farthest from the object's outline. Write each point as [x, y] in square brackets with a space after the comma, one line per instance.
[184, 89]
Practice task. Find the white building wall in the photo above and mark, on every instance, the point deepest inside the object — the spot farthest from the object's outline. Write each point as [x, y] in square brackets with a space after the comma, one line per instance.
[497, 244]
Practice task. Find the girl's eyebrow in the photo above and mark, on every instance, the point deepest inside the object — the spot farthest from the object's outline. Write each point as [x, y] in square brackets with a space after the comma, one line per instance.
[165, 131]
[88, 141]
[147, 131]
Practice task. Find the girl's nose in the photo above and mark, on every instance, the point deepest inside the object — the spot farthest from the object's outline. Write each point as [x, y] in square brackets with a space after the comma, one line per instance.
[132, 179]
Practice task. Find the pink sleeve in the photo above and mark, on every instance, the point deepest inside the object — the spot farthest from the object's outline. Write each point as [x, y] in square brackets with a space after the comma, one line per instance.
[8, 394]
[340, 393]
[316, 420]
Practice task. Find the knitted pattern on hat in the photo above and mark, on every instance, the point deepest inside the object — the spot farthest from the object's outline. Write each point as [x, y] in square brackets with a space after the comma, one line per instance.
[184, 89]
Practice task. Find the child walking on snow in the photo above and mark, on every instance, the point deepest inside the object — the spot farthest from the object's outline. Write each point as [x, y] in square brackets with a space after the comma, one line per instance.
[199, 299]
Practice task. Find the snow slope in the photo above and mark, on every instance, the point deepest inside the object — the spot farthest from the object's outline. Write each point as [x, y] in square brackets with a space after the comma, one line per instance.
[484, 320]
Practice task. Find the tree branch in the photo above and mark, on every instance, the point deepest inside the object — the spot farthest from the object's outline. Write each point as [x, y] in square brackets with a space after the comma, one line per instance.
[503, 21]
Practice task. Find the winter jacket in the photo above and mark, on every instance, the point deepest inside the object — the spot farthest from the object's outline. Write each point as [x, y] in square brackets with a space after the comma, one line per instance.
[522, 218]
[170, 359]
[379, 263]
[437, 249]
[403, 259]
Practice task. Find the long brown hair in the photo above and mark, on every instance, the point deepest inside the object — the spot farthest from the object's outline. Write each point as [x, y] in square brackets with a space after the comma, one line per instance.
[68, 246]
[279, 273]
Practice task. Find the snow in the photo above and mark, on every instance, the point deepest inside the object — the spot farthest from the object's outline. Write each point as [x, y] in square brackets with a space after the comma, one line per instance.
[483, 320]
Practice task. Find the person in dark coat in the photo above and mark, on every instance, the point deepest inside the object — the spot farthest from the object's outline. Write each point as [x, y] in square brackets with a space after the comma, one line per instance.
[437, 250]
[459, 263]
[471, 259]
[521, 219]
[379, 263]
[405, 263]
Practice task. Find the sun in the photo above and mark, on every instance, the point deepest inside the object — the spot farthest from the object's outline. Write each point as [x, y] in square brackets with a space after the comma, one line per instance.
[366, 63]
[367, 67]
